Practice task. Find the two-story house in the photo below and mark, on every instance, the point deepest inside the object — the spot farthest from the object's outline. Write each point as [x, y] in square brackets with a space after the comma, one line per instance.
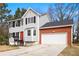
[35, 27]
[26, 29]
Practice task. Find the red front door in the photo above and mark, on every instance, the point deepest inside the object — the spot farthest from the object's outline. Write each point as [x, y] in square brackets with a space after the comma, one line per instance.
[21, 38]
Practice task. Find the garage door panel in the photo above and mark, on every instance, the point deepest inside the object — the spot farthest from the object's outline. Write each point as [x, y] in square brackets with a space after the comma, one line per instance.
[54, 38]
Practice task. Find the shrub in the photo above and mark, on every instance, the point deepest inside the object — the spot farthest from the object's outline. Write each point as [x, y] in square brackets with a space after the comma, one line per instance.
[3, 40]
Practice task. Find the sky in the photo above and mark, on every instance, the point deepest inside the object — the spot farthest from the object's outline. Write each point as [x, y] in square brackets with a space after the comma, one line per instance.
[41, 7]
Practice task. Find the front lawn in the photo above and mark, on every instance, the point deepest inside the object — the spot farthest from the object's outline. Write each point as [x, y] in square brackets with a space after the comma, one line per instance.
[70, 51]
[7, 48]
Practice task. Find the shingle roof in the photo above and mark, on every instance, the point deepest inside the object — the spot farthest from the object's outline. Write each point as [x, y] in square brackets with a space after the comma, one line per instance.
[58, 23]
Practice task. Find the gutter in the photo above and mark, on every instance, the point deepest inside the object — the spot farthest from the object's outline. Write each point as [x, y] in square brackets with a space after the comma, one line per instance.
[56, 26]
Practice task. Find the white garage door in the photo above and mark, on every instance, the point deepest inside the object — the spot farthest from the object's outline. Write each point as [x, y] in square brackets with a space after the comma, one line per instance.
[54, 38]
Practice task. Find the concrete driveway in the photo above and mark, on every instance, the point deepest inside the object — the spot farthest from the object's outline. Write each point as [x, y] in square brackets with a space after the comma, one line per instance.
[37, 50]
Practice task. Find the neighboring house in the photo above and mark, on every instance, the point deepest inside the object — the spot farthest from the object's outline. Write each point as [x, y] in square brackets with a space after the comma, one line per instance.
[26, 29]
[36, 27]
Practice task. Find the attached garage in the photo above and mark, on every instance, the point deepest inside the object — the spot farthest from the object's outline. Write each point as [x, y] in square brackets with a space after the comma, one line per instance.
[61, 34]
[54, 38]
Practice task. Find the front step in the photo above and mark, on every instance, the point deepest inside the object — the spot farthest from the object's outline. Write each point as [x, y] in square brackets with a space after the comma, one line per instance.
[30, 43]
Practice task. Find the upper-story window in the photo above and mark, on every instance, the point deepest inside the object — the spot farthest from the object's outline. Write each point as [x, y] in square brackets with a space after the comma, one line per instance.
[13, 24]
[10, 24]
[18, 23]
[30, 20]
[21, 22]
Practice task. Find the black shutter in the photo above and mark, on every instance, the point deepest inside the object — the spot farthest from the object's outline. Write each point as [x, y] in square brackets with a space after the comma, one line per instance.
[19, 22]
[26, 20]
[34, 19]
[13, 35]
[13, 24]
[9, 24]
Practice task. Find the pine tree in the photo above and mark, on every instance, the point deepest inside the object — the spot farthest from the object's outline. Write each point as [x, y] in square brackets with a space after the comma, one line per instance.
[23, 11]
[17, 14]
[3, 12]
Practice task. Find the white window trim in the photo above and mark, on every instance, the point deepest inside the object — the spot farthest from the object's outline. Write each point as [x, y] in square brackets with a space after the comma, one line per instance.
[30, 20]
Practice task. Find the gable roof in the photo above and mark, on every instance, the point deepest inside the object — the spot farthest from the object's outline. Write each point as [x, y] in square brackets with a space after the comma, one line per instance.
[58, 23]
[35, 11]
[31, 10]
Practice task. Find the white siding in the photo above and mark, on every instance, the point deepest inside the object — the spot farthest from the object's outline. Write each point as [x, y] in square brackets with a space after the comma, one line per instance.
[43, 19]
[40, 20]
[31, 26]
[28, 15]
[32, 37]
[15, 29]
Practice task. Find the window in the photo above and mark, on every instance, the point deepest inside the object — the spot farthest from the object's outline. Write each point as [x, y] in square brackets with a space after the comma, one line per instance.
[29, 20]
[26, 20]
[34, 32]
[13, 24]
[18, 23]
[17, 34]
[28, 32]
[34, 19]
[9, 24]
[13, 35]
[21, 22]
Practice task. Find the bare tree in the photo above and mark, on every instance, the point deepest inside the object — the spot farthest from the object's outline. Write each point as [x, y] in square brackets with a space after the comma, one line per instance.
[77, 29]
[62, 11]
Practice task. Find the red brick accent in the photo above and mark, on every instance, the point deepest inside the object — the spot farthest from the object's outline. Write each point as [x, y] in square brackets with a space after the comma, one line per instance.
[57, 30]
